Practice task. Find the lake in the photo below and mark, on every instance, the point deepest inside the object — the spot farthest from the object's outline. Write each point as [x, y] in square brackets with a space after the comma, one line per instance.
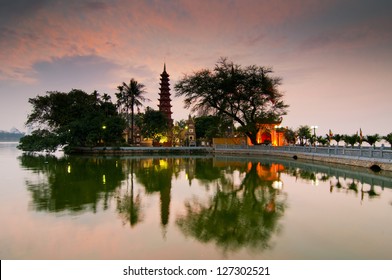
[190, 207]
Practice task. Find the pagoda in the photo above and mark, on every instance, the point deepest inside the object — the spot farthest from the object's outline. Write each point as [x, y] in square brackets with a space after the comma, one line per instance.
[164, 97]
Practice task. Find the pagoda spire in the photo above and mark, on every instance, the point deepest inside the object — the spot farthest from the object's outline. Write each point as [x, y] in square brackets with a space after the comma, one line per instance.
[164, 96]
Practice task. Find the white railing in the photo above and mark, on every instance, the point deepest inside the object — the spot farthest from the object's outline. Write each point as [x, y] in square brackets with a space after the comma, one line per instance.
[358, 152]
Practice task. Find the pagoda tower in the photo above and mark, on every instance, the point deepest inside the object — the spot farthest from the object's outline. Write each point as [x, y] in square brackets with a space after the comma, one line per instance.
[164, 97]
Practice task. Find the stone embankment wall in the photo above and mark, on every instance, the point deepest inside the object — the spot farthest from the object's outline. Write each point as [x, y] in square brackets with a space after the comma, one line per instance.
[384, 163]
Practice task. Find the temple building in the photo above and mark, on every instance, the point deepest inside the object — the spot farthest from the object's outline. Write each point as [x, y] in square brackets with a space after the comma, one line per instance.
[190, 132]
[164, 97]
[270, 134]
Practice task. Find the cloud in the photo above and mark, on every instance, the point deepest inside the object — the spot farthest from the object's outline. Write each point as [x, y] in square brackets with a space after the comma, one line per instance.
[15, 10]
[96, 6]
[84, 72]
[146, 31]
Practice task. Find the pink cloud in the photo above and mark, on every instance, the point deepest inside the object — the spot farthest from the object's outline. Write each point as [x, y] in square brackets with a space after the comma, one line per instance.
[140, 30]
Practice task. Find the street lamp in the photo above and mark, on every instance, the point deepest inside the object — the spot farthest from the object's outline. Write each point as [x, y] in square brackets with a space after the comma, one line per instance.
[314, 133]
[314, 129]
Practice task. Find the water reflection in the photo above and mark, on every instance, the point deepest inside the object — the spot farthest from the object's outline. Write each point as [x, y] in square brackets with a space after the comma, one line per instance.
[362, 183]
[156, 176]
[243, 214]
[242, 205]
[129, 205]
[75, 184]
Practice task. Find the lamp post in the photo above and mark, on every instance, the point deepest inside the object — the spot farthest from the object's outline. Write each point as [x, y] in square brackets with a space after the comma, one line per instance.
[314, 129]
[314, 133]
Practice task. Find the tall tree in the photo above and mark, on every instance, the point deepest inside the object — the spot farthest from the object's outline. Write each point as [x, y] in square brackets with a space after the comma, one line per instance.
[129, 96]
[71, 119]
[248, 95]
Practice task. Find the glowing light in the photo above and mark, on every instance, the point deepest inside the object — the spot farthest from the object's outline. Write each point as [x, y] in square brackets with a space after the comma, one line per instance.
[163, 164]
[69, 168]
[277, 185]
[163, 139]
[104, 179]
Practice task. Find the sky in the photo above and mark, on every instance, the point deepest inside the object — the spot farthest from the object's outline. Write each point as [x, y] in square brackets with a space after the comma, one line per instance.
[334, 57]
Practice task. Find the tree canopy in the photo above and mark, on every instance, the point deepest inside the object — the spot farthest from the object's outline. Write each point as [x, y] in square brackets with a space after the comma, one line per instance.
[208, 127]
[153, 124]
[248, 95]
[72, 119]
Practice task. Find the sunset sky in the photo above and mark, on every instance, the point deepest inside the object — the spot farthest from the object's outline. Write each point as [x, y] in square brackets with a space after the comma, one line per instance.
[334, 57]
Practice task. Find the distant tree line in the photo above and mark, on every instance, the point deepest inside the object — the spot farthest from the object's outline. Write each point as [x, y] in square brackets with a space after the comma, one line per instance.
[10, 136]
[303, 136]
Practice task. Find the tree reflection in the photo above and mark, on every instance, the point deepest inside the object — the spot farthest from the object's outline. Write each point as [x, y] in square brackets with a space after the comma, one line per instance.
[129, 205]
[71, 183]
[244, 216]
[339, 182]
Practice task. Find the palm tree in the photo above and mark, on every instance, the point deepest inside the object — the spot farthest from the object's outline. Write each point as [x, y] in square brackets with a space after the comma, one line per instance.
[129, 96]
[322, 140]
[338, 138]
[304, 133]
[351, 140]
[388, 138]
[372, 139]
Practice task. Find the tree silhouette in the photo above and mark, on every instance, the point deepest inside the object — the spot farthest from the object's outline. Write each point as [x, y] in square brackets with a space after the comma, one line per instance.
[247, 95]
[129, 96]
[71, 119]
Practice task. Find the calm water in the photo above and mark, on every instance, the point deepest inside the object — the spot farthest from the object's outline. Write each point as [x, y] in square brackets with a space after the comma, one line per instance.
[190, 208]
